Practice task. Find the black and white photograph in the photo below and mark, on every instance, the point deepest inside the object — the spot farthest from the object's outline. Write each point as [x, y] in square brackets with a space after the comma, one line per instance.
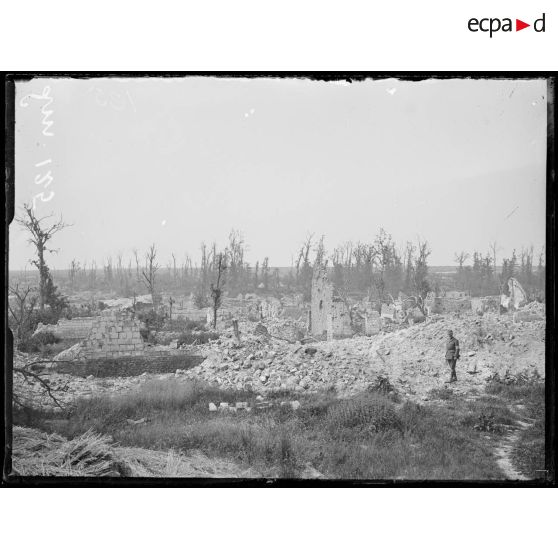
[251, 278]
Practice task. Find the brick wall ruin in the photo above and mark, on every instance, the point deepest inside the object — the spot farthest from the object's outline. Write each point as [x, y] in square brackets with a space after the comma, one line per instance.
[114, 347]
[113, 336]
[329, 315]
[442, 305]
[372, 322]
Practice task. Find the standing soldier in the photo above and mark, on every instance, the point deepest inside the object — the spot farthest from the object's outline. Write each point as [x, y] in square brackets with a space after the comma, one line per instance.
[452, 354]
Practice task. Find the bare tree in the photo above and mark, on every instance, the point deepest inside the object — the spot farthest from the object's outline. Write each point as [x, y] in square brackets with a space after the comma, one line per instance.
[408, 259]
[494, 249]
[265, 273]
[41, 235]
[304, 268]
[174, 271]
[107, 270]
[460, 260]
[136, 257]
[93, 275]
[149, 274]
[217, 288]
[420, 274]
[171, 303]
[22, 310]
[73, 272]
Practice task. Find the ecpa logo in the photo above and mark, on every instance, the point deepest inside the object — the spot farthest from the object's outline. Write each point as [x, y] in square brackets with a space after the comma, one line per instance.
[494, 24]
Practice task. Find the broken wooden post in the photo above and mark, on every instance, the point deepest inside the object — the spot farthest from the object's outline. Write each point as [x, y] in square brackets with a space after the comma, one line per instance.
[236, 331]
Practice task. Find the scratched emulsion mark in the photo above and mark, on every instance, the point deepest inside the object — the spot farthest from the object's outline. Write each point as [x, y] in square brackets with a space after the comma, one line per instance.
[44, 177]
[113, 99]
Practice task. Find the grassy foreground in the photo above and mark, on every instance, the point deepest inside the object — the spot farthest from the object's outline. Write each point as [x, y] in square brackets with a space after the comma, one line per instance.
[372, 436]
[528, 401]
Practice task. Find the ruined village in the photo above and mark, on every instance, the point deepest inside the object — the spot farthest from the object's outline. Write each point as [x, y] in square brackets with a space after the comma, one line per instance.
[278, 278]
[336, 340]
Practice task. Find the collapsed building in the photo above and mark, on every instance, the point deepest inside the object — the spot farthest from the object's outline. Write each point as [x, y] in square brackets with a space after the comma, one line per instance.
[446, 304]
[458, 301]
[483, 304]
[137, 303]
[114, 346]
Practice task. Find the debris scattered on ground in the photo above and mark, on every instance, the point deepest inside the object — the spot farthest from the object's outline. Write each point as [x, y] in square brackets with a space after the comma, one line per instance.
[411, 357]
[37, 453]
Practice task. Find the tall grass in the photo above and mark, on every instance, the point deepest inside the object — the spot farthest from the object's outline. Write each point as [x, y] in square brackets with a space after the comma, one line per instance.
[365, 437]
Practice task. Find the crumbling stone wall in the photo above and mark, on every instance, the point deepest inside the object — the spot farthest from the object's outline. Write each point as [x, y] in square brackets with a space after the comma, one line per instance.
[443, 305]
[329, 315]
[455, 294]
[372, 322]
[455, 304]
[389, 311]
[433, 304]
[270, 308]
[485, 304]
[321, 302]
[114, 335]
[294, 313]
[340, 319]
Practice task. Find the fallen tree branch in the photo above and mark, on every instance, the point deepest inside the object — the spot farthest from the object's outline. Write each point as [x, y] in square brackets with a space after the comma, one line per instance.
[28, 375]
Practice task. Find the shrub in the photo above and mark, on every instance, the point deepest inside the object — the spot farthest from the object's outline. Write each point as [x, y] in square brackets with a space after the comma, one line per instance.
[487, 423]
[383, 386]
[375, 414]
[184, 324]
[151, 319]
[443, 393]
[148, 336]
[410, 416]
[514, 392]
[201, 300]
[202, 337]
[37, 342]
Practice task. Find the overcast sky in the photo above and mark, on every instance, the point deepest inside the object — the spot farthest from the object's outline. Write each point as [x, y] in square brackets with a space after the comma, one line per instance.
[460, 163]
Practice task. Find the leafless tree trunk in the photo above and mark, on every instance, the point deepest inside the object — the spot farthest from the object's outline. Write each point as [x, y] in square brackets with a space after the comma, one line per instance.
[236, 331]
[217, 288]
[41, 235]
[23, 311]
[171, 302]
[149, 274]
[138, 273]
[494, 249]
[74, 272]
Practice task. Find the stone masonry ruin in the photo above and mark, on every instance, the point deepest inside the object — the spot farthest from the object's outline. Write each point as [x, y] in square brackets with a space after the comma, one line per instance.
[329, 315]
[113, 336]
[115, 347]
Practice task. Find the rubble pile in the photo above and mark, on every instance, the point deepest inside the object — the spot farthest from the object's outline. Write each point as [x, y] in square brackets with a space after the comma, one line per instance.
[413, 358]
[268, 359]
[264, 363]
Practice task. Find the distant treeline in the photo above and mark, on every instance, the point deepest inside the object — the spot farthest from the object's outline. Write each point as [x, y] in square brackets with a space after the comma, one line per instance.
[377, 269]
